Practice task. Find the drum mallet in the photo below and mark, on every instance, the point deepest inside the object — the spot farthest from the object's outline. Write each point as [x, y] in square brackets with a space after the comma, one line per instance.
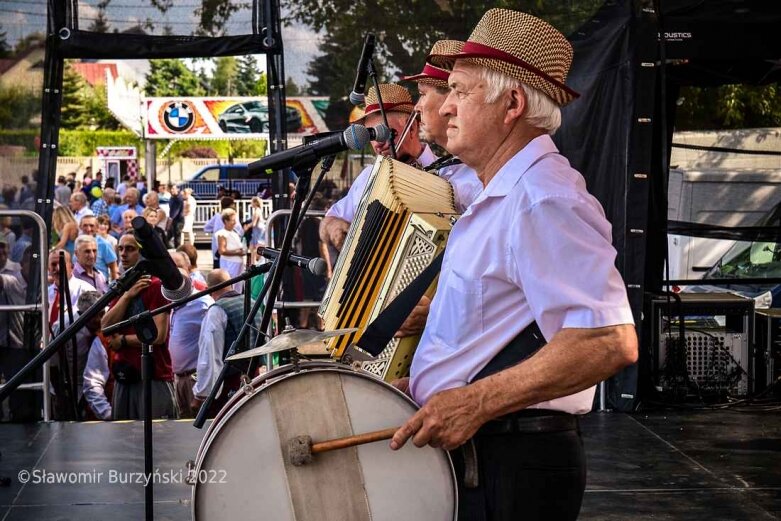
[301, 448]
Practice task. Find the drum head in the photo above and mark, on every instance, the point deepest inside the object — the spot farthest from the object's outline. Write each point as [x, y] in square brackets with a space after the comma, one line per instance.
[244, 471]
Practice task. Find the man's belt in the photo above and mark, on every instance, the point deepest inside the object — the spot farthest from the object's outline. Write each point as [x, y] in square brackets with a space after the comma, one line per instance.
[524, 423]
[185, 373]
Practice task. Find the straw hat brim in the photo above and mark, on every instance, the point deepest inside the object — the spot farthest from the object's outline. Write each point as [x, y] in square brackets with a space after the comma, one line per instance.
[560, 93]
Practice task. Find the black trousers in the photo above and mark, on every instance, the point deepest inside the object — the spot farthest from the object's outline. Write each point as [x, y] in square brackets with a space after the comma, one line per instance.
[524, 476]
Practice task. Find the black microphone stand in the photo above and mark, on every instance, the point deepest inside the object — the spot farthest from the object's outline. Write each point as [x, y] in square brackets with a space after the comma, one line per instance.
[391, 137]
[73, 365]
[296, 217]
[146, 331]
[116, 289]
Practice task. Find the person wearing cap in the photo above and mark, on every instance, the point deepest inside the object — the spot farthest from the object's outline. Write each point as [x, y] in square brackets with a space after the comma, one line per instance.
[530, 311]
[398, 107]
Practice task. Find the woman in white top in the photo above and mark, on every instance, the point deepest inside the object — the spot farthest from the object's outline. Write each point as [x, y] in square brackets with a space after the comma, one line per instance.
[230, 247]
[189, 215]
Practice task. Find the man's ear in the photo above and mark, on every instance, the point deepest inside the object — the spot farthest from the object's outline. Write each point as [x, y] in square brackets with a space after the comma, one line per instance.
[516, 105]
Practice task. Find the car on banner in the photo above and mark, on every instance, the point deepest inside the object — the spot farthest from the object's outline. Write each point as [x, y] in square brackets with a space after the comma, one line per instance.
[252, 117]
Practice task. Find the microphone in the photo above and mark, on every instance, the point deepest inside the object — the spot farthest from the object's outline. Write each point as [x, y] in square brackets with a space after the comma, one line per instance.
[357, 95]
[175, 286]
[355, 137]
[315, 265]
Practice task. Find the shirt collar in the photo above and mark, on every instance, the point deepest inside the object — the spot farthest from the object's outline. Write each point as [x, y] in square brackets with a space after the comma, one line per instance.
[512, 171]
[427, 157]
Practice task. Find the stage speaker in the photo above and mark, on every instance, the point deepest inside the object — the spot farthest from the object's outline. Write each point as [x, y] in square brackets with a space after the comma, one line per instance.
[767, 350]
[702, 346]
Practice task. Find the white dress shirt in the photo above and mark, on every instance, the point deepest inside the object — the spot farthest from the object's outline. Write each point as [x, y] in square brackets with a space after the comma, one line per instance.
[211, 344]
[81, 213]
[76, 287]
[466, 185]
[346, 207]
[96, 376]
[534, 245]
[186, 323]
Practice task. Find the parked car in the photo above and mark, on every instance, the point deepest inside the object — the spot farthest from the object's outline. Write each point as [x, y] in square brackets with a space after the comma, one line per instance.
[206, 182]
[252, 116]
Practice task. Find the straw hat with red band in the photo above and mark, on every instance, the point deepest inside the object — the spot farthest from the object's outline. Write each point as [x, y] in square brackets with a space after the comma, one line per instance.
[395, 98]
[521, 46]
[432, 75]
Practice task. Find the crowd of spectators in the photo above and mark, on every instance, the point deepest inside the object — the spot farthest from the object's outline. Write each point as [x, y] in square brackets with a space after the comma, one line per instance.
[91, 245]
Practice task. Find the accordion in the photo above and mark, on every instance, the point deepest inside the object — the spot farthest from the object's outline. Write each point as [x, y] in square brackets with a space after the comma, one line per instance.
[402, 223]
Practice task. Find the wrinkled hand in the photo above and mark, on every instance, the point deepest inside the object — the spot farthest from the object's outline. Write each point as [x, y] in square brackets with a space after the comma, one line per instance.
[140, 285]
[337, 233]
[447, 421]
[402, 384]
[416, 320]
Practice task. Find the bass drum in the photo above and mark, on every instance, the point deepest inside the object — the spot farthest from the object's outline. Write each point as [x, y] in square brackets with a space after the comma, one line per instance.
[242, 470]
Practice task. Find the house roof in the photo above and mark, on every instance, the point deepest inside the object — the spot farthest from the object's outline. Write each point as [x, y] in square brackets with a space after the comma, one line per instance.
[95, 73]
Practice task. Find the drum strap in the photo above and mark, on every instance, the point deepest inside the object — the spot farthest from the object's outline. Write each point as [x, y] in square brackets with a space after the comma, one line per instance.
[377, 334]
[525, 344]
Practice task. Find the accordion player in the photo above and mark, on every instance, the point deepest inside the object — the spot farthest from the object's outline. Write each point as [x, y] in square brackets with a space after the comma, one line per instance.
[402, 223]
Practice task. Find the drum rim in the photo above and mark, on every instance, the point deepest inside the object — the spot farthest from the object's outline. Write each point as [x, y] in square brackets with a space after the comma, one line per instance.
[289, 371]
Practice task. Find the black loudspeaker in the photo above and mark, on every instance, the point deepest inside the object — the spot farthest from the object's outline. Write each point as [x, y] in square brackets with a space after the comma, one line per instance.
[767, 351]
[701, 346]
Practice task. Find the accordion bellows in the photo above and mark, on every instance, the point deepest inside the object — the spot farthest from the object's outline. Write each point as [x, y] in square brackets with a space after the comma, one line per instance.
[401, 224]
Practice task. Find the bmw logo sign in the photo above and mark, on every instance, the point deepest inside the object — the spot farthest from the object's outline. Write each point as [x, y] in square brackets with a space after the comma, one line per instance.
[178, 116]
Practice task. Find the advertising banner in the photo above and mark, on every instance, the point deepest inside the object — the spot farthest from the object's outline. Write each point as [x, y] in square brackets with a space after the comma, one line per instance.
[229, 118]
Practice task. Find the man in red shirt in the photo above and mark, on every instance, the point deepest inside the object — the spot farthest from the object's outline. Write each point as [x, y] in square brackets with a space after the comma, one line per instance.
[146, 294]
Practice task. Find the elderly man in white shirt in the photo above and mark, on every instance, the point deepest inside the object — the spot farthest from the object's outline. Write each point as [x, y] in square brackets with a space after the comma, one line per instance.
[75, 286]
[79, 206]
[530, 312]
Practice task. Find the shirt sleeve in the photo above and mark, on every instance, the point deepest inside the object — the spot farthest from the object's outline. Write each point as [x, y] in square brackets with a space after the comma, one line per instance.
[210, 348]
[95, 377]
[565, 264]
[107, 252]
[209, 226]
[346, 207]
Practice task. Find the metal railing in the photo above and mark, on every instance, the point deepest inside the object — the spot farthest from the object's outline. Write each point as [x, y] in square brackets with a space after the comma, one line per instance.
[42, 306]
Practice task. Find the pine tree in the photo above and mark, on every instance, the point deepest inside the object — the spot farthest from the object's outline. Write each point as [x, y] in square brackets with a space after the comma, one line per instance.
[74, 99]
[171, 78]
[5, 49]
[248, 77]
[225, 76]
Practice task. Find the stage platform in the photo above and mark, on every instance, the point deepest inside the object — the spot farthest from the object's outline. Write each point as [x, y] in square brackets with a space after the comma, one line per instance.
[671, 465]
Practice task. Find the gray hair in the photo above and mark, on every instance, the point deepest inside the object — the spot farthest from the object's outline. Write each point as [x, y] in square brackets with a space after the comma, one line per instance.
[227, 213]
[541, 111]
[86, 300]
[84, 239]
[79, 196]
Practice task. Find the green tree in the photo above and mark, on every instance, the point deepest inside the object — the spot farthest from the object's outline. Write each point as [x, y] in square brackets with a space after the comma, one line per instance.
[225, 78]
[18, 106]
[171, 78]
[249, 78]
[292, 88]
[74, 99]
[30, 41]
[5, 49]
[96, 113]
[728, 106]
[407, 30]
